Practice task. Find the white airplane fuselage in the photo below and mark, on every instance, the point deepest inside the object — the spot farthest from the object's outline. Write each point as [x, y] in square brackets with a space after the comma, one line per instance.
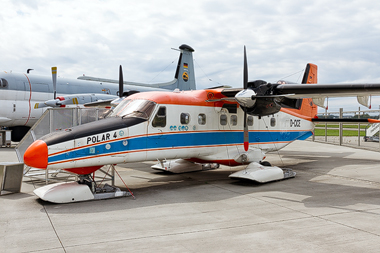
[187, 128]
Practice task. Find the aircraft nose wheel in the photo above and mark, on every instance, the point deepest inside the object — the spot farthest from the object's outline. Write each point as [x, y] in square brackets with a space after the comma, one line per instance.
[101, 192]
[87, 180]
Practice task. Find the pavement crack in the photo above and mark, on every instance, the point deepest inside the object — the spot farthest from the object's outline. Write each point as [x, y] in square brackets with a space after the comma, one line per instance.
[55, 231]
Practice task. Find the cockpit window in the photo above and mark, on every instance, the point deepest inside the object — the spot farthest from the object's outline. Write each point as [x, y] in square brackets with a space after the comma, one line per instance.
[120, 107]
[134, 108]
[3, 83]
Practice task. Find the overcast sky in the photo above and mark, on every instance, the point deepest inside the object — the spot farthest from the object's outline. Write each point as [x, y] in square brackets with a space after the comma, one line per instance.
[94, 37]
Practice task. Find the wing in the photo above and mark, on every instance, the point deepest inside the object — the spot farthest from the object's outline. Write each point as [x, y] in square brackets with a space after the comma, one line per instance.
[327, 90]
[260, 98]
[75, 99]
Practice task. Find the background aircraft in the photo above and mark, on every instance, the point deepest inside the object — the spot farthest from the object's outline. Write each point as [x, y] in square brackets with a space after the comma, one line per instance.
[197, 129]
[24, 97]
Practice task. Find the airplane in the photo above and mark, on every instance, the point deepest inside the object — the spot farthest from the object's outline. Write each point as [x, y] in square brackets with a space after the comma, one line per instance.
[25, 97]
[190, 131]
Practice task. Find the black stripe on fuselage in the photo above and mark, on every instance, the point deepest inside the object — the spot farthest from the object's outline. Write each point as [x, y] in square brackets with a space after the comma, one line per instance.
[92, 128]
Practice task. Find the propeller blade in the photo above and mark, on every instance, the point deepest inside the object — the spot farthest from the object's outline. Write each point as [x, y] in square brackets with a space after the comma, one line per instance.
[121, 82]
[246, 133]
[245, 74]
[54, 77]
[245, 85]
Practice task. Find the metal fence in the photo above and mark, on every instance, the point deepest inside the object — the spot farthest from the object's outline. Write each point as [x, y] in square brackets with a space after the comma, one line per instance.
[342, 139]
[55, 119]
[52, 120]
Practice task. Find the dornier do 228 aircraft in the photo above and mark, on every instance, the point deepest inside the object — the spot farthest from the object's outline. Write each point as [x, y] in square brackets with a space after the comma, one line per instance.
[25, 97]
[190, 131]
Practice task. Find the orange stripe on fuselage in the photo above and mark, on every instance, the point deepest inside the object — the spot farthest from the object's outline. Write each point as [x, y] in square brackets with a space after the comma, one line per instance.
[307, 111]
[194, 97]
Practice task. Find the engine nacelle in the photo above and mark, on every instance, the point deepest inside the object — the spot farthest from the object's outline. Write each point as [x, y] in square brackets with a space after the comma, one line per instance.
[259, 99]
[264, 107]
[256, 102]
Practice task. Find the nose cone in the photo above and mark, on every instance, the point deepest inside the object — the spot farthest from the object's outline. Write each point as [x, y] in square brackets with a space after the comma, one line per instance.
[36, 155]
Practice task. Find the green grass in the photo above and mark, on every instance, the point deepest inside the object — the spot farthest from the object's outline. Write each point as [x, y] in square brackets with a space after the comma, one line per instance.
[362, 126]
[335, 132]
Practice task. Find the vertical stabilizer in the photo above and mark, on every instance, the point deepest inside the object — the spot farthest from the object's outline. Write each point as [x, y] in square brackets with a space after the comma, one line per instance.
[307, 107]
[184, 75]
[310, 75]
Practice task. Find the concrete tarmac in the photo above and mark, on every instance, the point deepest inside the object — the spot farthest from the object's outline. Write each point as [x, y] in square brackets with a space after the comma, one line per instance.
[332, 205]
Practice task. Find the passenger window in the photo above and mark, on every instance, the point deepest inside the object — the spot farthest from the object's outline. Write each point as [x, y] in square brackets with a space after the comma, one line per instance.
[3, 83]
[202, 119]
[185, 118]
[160, 118]
[233, 120]
[250, 121]
[273, 122]
[223, 119]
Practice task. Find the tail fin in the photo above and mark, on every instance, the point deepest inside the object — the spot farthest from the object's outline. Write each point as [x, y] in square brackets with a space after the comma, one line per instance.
[305, 106]
[310, 75]
[184, 78]
[308, 108]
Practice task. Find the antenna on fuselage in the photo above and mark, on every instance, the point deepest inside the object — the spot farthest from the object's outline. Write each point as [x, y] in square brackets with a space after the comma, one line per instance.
[54, 77]
[28, 70]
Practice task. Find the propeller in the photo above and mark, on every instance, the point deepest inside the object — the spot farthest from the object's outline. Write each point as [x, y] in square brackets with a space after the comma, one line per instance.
[54, 77]
[245, 85]
[121, 82]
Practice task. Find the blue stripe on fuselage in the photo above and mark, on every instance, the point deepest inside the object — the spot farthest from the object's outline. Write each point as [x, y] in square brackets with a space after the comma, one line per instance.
[180, 140]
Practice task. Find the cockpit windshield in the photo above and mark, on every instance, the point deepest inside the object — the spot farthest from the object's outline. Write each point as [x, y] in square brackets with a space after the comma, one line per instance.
[134, 108]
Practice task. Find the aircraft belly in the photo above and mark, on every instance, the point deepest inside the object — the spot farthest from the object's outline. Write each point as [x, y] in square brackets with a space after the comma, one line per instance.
[172, 153]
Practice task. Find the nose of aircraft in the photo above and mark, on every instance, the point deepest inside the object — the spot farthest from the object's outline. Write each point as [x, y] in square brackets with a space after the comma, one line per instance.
[36, 155]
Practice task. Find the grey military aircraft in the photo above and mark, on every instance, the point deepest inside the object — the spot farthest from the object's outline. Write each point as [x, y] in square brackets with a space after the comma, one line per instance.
[25, 97]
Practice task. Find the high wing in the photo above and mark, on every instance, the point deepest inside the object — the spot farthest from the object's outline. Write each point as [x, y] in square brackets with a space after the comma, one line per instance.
[261, 98]
[329, 90]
